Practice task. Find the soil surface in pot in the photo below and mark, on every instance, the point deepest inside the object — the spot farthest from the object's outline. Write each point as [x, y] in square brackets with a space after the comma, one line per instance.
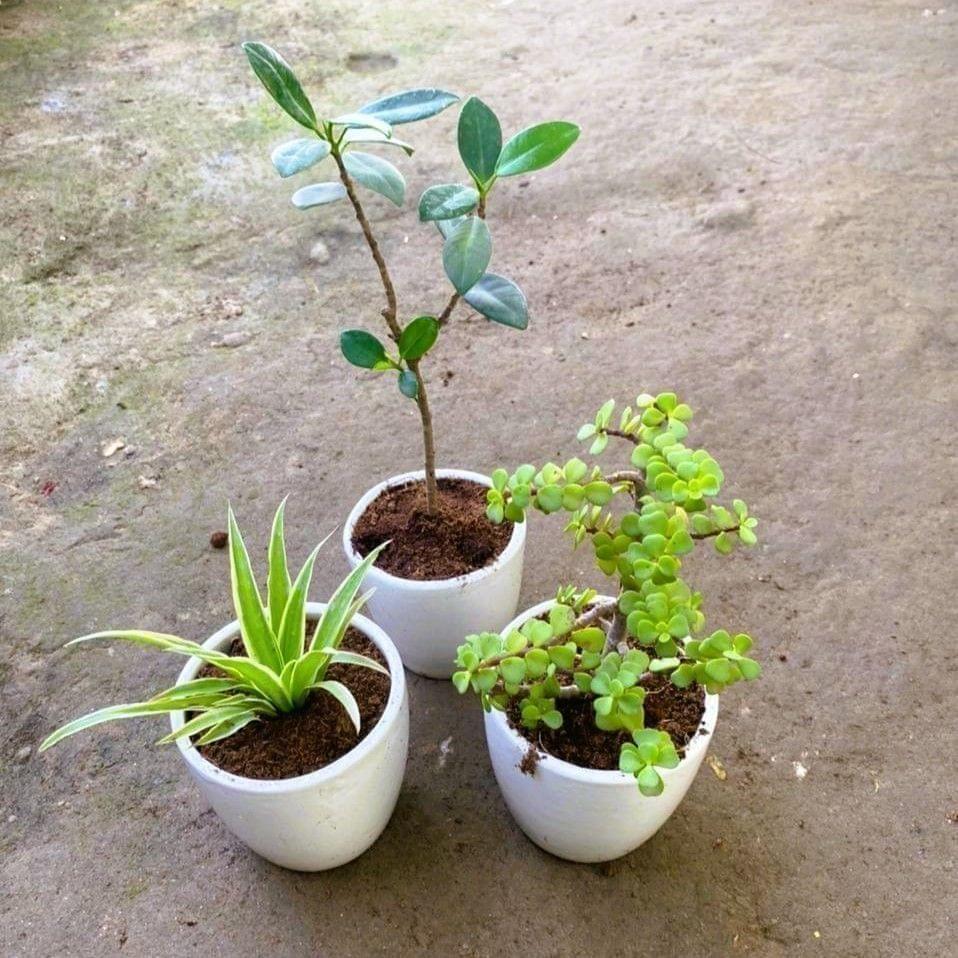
[578, 741]
[316, 735]
[457, 540]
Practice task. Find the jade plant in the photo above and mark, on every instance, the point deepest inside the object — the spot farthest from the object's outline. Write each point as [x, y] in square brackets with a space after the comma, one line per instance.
[604, 650]
[457, 209]
[281, 669]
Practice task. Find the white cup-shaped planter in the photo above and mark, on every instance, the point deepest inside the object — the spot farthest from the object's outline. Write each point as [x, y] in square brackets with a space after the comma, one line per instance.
[583, 814]
[428, 619]
[330, 816]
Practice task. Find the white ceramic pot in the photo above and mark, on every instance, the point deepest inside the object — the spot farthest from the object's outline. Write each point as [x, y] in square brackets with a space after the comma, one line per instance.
[330, 816]
[579, 813]
[429, 619]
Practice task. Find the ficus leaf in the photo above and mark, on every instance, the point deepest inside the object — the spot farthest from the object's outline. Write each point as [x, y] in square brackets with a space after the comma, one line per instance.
[277, 76]
[409, 105]
[298, 155]
[318, 194]
[418, 337]
[408, 384]
[447, 201]
[376, 174]
[536, 147]
[480, 139]
[466, 253]
[500, 300]
[361, 348]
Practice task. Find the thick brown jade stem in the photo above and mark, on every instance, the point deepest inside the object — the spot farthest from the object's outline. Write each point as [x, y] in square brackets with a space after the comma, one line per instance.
[390, 314]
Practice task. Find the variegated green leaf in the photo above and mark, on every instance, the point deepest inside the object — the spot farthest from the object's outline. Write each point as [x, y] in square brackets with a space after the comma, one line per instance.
[338, 612]
[345, 698]
[227, 728]
[343, 657]
[109, 714]
[277, 580]
[256, 631]
[291, 633]
[231, 708]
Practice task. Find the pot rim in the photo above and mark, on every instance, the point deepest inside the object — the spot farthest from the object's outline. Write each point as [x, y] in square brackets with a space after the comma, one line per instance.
[602, 777]
[326, 774]
[514, 545]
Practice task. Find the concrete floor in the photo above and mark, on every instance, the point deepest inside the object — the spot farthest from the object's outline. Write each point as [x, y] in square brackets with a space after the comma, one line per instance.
[760, 213]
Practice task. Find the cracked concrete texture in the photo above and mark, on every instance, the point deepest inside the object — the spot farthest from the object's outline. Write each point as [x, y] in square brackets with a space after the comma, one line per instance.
[760, 214]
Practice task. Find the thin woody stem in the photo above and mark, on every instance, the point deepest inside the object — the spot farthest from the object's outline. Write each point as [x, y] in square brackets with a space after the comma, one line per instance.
[616, 632]
[587, 618]
[390, 314]
[714, 532]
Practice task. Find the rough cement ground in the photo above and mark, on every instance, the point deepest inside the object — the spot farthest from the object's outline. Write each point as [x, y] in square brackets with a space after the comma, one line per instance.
[760, 213]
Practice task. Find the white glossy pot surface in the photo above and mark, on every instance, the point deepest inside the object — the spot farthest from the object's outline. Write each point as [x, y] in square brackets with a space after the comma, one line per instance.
[429, 619]
[582, 814]
[330, 816]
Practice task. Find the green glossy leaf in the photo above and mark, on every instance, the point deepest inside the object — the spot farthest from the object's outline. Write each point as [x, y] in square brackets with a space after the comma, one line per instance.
[447, 201]
[536, 147]
[480, 139]
[500, 300]
[408, 384]
[376, 174]
[361, 348]
[448, 227]
[258, 637]
[277, 76]
[466, 253]
[318, 194]
[409, 105]
[298, 155]
[461, 681]
[418, 337]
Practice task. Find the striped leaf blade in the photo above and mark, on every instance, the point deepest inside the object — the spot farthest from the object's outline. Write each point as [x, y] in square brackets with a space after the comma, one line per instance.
[257, 633]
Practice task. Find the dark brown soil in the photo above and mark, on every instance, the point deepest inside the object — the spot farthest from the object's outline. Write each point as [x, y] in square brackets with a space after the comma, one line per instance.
[319, 733]
[457, 540]
[676, 711]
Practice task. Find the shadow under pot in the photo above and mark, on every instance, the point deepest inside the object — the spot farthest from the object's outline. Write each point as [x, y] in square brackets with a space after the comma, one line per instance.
[319, 820]
[578, 813]
[442, 577]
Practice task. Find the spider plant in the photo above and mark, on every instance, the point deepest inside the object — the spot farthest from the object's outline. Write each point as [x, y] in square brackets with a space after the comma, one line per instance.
[280, 669]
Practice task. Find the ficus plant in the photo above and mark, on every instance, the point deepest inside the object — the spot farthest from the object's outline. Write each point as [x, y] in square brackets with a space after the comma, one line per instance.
[281, 668]
[642, 523]
[457, 209]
